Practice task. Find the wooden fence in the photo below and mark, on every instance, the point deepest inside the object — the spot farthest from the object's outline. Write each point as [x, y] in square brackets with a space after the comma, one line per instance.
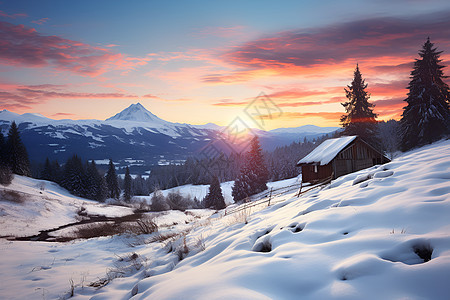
[270, 197]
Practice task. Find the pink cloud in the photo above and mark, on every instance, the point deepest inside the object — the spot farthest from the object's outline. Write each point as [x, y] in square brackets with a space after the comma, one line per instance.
[12, 16]
[16, 97]
[24, 46]
[40, 21]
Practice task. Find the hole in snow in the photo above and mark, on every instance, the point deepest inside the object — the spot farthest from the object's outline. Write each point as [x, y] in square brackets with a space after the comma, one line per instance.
[424, 251]
[345, 233]
[415, 253]
[296, 227]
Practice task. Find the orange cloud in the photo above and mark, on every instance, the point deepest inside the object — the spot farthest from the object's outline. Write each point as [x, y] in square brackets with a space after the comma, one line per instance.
[63, 115]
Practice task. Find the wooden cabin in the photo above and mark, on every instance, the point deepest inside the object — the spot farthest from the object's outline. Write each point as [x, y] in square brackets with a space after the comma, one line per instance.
[339, 156]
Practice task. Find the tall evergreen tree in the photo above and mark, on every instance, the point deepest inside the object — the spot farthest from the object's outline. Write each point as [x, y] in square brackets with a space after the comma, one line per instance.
[426, 117]
[214, 198]
[17, 156]
[47, 173]
[5, 172]
[2, 149]
[74, 176]
[111, 181]
[360, 118]
[57, 172]
[96, 184]
[127, 186]
[254, 175]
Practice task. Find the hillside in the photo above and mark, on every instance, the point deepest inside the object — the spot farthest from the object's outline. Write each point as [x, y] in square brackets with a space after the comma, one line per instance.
[380, 233]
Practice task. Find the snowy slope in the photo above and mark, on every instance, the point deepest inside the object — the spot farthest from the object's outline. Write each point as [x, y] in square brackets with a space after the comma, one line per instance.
[349, 241]
[44, 205]
[355, 239]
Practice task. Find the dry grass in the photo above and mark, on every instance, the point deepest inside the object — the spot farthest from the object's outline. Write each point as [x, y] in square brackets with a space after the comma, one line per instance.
[98, 229]
[12, 196]
[132, 225]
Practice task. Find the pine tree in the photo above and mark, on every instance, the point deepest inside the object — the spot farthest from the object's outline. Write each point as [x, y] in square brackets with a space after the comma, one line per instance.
[127, 186]
[214, 198]
[5, 171]
[57, 173]
[360, 118]
[111, 181]
[17, 156]
[241, 188]
[74, 177]
[2, 149]
[426, 117]
[258, 175]
[47, 173]
[254, 175]
[96, 184]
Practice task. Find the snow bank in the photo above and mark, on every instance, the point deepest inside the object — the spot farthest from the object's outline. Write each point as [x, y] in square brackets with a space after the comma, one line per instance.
[45, 205]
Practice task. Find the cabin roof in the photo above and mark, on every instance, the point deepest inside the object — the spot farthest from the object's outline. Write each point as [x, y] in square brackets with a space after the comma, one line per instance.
[327, 151]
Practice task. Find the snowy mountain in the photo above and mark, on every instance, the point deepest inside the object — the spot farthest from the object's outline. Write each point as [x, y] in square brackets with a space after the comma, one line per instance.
[134, 133]
[380, 233]
[138, 113]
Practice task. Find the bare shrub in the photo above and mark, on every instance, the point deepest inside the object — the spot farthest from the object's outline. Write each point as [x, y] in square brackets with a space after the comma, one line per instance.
[6, 176]
[162, 237]
[200, 243]
[125, 265]
[182, 250]
[159, 202]
[12, 196]
[141, 226]
[177, 201]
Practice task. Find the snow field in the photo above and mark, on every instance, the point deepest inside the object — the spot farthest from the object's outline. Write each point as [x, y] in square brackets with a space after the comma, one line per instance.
[343, 242]
[380, 233]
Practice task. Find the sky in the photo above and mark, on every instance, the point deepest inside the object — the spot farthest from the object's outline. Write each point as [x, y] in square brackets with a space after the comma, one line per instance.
[206, 61]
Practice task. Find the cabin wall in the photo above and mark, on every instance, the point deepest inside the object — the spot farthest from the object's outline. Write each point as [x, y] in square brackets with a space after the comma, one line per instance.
[356, 157]
[309, 172]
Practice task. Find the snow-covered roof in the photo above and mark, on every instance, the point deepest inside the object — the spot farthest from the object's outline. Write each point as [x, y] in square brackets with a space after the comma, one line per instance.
[327, 151]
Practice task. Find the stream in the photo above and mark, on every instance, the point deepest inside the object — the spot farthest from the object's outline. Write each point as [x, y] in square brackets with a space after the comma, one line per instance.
[44, 235]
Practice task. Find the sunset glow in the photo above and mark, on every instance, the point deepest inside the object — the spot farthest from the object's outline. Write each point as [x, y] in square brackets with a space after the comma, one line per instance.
[198, 62]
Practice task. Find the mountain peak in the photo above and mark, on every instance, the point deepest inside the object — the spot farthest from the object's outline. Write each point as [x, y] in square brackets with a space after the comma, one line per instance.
[135, 112]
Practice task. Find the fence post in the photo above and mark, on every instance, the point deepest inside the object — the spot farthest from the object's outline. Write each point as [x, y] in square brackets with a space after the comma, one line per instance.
[300, 190]
[270, 195]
